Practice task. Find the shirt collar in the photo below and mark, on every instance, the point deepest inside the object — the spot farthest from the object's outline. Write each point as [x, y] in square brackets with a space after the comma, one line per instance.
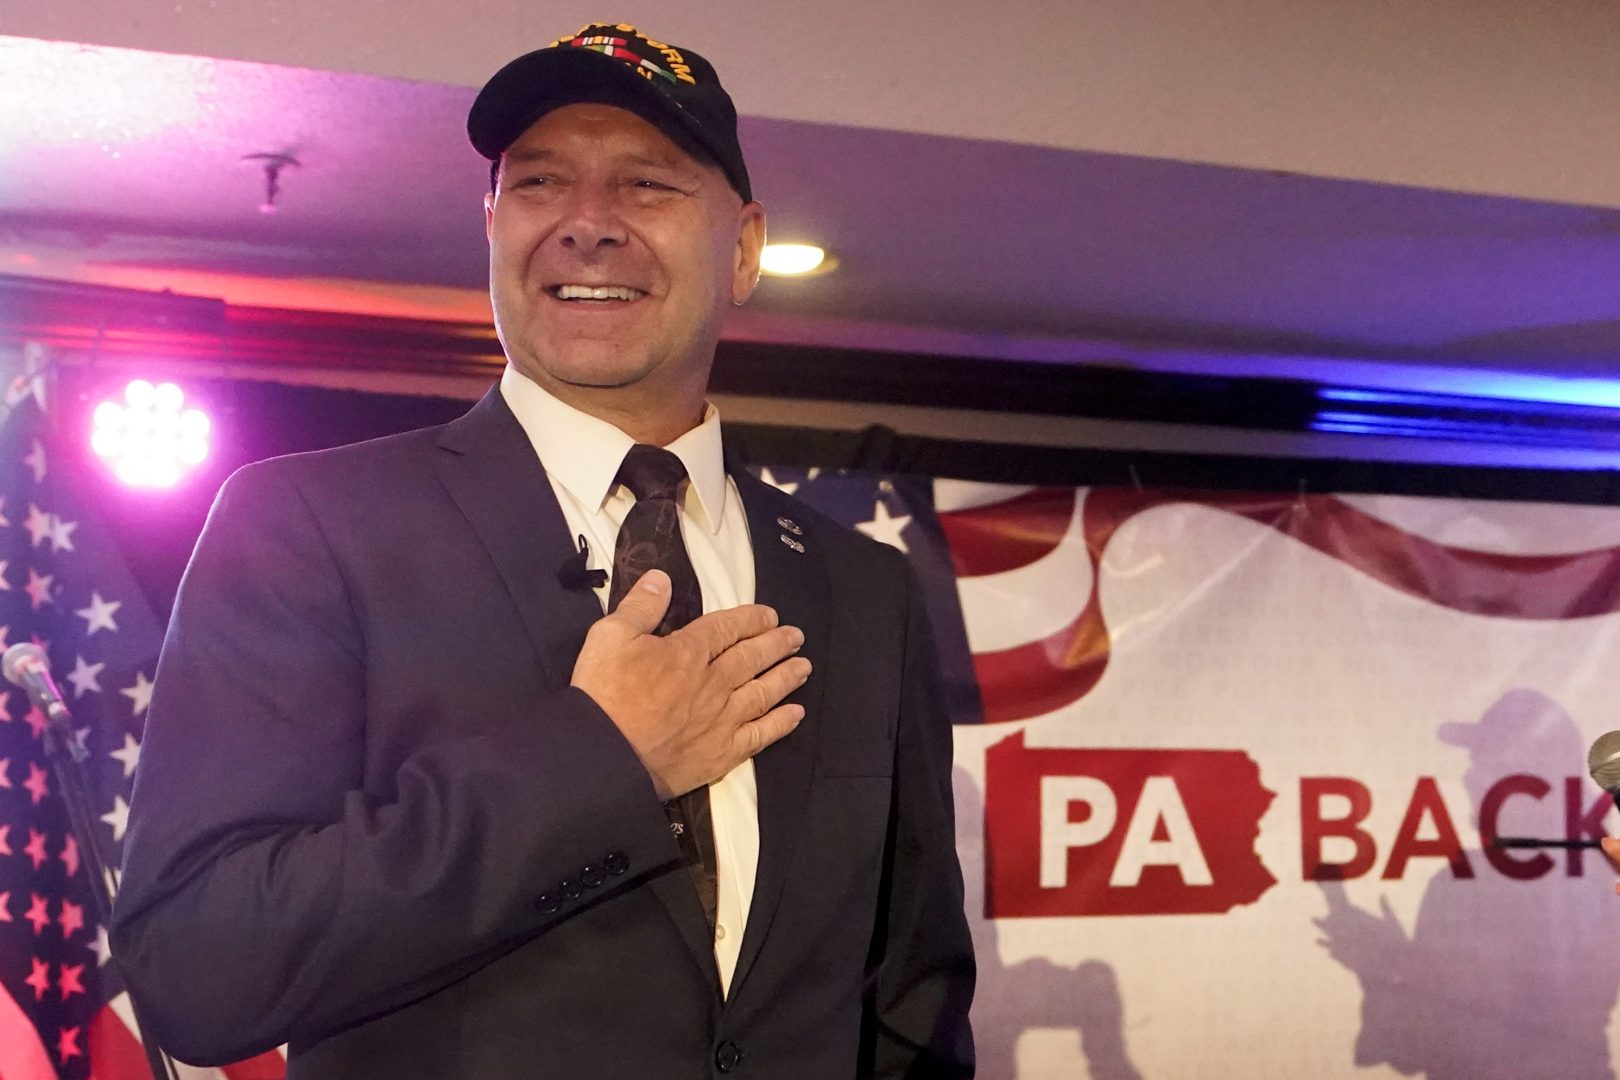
[583, 452]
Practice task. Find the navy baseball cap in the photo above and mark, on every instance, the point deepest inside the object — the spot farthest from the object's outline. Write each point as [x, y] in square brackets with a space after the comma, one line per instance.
[674, 89]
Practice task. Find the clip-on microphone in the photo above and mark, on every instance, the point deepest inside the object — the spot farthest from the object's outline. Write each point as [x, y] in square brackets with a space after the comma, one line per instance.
[573, 574]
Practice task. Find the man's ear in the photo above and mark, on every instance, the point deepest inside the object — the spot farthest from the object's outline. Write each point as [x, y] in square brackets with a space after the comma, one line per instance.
[489, 215]
[750, 242]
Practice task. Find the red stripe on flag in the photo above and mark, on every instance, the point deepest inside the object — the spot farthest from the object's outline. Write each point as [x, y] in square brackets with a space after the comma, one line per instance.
[1045, 675]
[267, 1066]
[1566, 586]
[1578, 585]
[115, 1052]
[1007, 535]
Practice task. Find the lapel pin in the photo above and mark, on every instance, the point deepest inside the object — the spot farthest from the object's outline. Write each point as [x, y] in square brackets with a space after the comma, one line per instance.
[792, 543]
[790, 525]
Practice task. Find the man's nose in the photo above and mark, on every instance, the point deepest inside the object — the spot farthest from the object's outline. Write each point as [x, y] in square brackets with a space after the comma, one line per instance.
[591, 221]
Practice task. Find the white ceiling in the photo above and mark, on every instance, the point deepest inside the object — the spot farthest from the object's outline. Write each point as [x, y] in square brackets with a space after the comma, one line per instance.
[1494, 96]
[1434, 185]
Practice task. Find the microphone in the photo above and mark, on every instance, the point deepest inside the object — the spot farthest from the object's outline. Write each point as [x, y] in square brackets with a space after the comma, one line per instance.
[573, 575]
[1603, 762]
[25, 665]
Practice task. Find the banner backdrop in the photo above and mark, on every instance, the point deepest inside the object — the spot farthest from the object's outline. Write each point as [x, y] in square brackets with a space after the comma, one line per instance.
[1227, 806]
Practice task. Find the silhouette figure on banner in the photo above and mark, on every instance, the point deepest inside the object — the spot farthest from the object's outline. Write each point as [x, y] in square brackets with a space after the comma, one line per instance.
[1502, 978]
[1033, 993]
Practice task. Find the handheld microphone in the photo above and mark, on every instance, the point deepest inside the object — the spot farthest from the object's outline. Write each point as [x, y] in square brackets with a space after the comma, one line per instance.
[1603, 762]
[25, 665]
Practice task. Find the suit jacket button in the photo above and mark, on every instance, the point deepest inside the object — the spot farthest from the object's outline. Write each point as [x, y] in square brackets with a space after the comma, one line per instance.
[728, 1056]
[616, 863]
[570, 888]
[592, 876]
[547, 903]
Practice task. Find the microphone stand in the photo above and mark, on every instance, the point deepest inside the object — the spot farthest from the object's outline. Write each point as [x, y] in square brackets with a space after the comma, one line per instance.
[68, 757]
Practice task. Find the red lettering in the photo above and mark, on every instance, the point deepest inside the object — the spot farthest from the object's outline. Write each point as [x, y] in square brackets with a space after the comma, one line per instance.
[1426, 802]
[1314, 828]
[1161, 831]
[1582, 826]
[1490, 808]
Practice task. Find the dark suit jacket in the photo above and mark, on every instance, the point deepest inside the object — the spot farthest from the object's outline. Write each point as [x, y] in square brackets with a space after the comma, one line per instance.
[373, 820]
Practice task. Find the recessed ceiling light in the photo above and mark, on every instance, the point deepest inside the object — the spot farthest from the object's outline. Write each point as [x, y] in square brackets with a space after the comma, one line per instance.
[794, 260]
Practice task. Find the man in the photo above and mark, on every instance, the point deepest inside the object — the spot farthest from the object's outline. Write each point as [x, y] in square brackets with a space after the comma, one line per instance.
[412, 803]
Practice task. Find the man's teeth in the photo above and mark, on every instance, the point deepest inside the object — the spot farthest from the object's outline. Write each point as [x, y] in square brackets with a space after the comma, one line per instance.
[597, 292]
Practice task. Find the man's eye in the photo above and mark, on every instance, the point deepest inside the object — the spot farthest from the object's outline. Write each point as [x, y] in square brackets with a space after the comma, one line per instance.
[652, 185]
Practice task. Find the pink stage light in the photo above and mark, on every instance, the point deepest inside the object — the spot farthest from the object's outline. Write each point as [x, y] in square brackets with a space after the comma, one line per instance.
[150, 440]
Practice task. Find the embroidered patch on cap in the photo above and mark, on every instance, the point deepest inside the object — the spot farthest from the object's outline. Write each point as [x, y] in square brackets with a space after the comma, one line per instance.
[651, 59]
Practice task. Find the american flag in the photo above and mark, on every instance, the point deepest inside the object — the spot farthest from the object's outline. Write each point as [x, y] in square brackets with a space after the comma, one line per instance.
[1004, 570]
[64, 1014]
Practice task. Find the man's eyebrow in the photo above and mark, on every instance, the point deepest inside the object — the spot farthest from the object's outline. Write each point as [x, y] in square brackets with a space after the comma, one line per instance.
[670, 161]
[680, 164]
[528, 154]
[534, 153]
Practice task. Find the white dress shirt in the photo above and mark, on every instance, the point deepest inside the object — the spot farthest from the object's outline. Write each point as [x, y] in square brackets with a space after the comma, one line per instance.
[581, 455]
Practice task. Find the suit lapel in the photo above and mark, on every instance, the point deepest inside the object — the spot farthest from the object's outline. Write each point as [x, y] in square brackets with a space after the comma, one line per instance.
[790, 575]
[492, 473]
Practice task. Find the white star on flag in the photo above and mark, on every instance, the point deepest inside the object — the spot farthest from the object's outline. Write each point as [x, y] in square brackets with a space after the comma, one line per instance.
[5, 522]
[101, 947]
[39, 588]
[99, 615]
[886, 528]
[84, 677]
[129, 755]
[118, 818]
[38, 524]
[36, 461]
[140, 694]
[5, 586]
[784, 486]
[62, 534]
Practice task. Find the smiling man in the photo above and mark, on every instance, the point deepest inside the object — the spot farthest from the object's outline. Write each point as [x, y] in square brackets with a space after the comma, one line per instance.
[613, 255]
[550, 742]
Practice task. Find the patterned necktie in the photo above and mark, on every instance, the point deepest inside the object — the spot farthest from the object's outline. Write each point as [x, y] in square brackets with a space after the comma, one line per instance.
[651, 537]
